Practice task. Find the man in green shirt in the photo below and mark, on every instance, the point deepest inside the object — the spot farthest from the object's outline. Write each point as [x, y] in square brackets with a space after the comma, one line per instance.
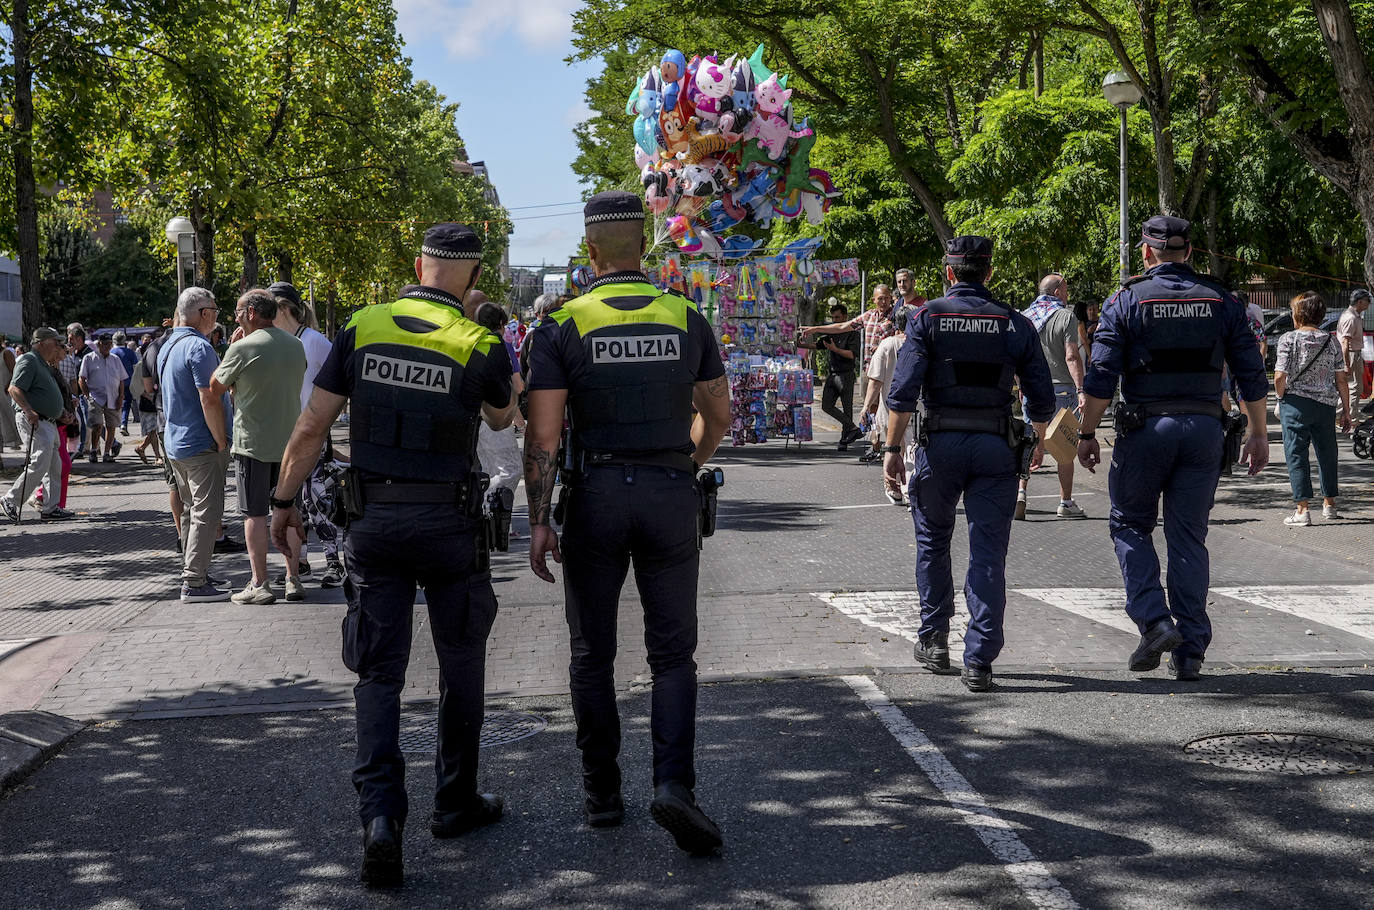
[38, 404]
[264, 370]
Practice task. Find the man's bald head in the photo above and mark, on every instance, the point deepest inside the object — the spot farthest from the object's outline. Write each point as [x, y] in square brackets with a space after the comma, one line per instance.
[472, 301]
[456, 276]
[615, 246]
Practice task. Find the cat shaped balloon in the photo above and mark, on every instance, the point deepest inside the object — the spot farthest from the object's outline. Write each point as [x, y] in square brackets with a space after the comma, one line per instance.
[647, 105]
[770, 128]
[714, 83]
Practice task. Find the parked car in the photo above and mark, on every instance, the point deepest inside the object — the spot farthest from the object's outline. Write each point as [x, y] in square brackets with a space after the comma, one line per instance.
[1281, 324]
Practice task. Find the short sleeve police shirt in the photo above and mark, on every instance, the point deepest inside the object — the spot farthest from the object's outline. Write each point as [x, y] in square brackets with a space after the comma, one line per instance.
[490, 385]
[557, 359]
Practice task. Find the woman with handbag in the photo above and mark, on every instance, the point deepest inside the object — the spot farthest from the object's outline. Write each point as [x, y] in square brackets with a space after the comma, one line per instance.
[1310, 382]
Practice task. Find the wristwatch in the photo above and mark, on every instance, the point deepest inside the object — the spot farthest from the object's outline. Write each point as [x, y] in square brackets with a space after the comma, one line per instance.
[893, 450]
[279, 503]
[1086, 436]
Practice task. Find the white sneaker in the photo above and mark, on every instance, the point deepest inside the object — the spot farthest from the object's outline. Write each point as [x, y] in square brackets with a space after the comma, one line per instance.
[295, 591]
[1020, 513]
[1299, 520]
[895, 498]
[254, 594]
[1330, 512]
[1071, 509]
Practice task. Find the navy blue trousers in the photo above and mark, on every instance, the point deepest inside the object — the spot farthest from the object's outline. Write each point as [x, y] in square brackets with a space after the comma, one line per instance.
[981, 468]
[1178, 458]
[648, 516]
[390, 550]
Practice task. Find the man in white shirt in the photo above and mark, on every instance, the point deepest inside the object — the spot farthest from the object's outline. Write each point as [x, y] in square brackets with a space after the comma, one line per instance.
[102, 377]
[1350, 333]
[880, 370]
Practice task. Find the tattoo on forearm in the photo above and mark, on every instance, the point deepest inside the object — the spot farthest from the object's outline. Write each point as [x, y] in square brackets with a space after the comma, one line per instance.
[717, 388]
[540, 471]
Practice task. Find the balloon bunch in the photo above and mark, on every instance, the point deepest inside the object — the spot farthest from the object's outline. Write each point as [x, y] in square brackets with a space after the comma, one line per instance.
[717, 146]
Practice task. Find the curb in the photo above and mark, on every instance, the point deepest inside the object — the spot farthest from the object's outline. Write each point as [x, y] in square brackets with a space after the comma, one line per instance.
[28, 739]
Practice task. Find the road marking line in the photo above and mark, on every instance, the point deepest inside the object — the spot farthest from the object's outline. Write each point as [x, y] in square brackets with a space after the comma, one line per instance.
[1102, 605]
[898, 613]
[1032, 876]
[1349, 608]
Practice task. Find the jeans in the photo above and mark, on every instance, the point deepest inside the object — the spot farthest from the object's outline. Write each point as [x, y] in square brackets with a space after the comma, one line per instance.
[841, 386]
[1305, 422]
[44, 465]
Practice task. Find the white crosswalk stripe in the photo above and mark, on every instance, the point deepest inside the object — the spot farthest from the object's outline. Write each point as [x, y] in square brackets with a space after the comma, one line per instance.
[1349, 608]
[1346, 607]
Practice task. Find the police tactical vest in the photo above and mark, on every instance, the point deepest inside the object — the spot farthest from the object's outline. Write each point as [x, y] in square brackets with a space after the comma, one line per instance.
[971, 366]
[636, 393]
[1180, 353]
[408, 420]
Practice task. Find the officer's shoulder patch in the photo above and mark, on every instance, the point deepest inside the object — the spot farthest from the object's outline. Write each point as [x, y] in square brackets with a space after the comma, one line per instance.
[1133, 280]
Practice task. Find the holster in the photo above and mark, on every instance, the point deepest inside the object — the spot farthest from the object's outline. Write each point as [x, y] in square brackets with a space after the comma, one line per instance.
[709, 480]
[1233, 429]
[500, 507]
[1127, 417]
[1022, 439]
[922, 431]
[349, 501]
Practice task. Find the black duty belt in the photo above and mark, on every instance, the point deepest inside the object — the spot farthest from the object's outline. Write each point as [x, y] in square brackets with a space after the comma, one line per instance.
[409, 491]
[1172, 408]
[948, 423]
[676, 461]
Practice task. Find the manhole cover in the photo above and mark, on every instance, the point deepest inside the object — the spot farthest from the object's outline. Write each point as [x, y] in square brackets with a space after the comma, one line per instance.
[420, 731]
[1284, 753]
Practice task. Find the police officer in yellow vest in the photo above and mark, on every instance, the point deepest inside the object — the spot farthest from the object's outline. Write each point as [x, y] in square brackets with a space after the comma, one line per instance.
[627, 364]
[420, 376]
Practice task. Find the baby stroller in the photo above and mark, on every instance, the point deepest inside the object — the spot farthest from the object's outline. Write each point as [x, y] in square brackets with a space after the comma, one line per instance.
[1362, 437]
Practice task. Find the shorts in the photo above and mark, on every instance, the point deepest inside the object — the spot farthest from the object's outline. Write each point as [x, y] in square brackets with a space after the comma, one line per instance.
[97, 415]
[255, 481]
[1065, 396]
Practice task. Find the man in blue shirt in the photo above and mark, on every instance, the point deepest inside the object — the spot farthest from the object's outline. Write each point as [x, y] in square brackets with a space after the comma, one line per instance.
[1166, 336]
[129, 358]
[961, 353]
[198, 432]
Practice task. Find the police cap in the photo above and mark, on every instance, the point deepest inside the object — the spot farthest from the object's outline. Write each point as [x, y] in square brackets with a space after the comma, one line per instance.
[613, 205]
[452, 240]
[970, 248]
[1165, 232]
[286, 290]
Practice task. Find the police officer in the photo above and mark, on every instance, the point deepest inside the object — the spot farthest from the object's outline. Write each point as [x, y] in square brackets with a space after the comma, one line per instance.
[961, 355]
[627, 364]
[1166, 335]
[420, 376]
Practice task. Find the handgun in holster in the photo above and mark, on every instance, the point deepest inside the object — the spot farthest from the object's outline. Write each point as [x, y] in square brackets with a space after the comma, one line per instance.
[348, 498]
[568, 468]
[709, 480]
[472, 507]
[1232, 440]
[922, 432]
[1022, 439]
[500, 508]
[1126, 418]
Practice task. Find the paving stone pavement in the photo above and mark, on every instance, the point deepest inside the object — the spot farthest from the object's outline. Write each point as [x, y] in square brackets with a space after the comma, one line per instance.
[810, 573]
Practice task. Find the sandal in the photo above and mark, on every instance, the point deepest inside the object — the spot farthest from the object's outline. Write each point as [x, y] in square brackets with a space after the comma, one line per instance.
[142, 455]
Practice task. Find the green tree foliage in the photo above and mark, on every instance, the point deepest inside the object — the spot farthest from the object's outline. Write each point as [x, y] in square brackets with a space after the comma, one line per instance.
[987, 116]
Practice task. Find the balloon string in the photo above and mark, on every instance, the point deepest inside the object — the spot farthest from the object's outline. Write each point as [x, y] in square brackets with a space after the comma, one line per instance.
[1277, 268]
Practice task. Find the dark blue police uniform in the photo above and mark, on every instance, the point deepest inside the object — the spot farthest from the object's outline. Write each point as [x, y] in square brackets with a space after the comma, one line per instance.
[629, 355]
[417, 373]
[1166, 335]
[961, 354]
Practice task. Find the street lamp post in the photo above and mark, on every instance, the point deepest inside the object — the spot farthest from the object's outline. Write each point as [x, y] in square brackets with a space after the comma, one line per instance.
[182, 234]
[1123, 94]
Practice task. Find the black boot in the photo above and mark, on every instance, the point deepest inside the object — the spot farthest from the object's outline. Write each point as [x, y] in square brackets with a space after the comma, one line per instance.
[605, 811]
[977, 679]
[1185, 669]
[933, 652]
[382, 853]
[676, 811]
[484, 810]
[1158, 638]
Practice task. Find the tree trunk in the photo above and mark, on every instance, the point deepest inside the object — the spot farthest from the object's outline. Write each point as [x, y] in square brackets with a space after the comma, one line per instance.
[1215, 264]
[251, 261]
[1039, 64]
[331, 320]
[204, 225]
[25, 186]
[285, 266]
